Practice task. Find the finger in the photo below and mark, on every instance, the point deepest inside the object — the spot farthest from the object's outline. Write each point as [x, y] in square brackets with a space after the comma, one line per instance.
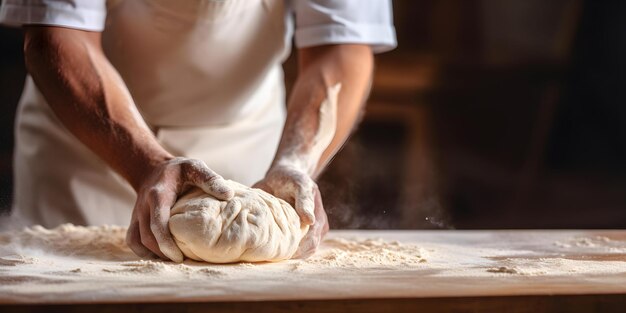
[326, 227]
[305, 205]
[308, 245]
[159, 227]
[133, 240]
[317, 231]
[320, 214]
[147, 238]
[206, 179]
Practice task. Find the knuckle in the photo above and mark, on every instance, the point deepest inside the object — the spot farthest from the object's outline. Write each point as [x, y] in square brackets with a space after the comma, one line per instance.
[155, 191]
[156, 198]
[302, 185]
[194, 164]
[301, 180]
[186, 165]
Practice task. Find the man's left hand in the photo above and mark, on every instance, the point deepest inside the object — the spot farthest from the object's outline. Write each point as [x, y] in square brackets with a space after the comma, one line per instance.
[299, 190]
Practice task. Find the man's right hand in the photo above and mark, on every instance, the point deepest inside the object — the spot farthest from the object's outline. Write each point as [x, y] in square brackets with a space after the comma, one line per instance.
[148, 234]
[90, 98]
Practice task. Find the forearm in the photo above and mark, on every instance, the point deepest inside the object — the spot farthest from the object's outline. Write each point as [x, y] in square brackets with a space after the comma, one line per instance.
[325, 104]
[90, 99]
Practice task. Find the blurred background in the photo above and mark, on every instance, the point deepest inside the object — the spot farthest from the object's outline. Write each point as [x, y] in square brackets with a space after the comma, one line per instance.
[489, 114]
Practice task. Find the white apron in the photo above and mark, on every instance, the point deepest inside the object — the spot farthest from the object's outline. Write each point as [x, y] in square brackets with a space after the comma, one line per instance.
[206, 76]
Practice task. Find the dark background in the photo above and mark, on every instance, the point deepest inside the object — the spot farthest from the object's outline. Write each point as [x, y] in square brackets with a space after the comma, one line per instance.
[489, 114]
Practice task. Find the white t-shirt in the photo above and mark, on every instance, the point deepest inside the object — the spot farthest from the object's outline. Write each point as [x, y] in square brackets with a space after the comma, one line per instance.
[205, 74]
[204, 62]
[317, 22]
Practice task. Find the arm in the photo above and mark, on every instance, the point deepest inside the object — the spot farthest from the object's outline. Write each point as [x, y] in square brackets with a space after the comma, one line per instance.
[89, 97]
[348, 67]
[324, 107]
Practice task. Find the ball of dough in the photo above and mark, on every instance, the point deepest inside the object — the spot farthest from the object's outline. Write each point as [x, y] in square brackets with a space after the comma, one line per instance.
[253, 226]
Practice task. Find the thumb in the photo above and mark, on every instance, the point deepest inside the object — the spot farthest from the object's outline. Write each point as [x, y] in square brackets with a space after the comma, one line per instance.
[210, 182]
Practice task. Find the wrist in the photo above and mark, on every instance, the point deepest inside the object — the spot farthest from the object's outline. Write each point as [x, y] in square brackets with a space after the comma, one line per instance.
[145, 166]
[291, 163]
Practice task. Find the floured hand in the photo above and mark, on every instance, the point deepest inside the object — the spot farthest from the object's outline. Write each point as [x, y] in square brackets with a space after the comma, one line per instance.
[298, 189]
[148, 234]
[317, 231]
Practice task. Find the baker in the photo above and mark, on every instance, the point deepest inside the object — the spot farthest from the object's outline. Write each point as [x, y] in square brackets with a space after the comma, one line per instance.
[129, 103]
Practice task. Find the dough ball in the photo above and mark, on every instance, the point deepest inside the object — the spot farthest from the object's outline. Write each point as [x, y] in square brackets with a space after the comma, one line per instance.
[253, 226]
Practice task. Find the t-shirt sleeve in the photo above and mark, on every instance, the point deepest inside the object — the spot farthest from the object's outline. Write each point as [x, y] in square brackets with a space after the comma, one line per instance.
[80, 14]
[319, 22]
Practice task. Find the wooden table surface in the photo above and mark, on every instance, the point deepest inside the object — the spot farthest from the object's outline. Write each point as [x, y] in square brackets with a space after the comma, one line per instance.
[515, 271]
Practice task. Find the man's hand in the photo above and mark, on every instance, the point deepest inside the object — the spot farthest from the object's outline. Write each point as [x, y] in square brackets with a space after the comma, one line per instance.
[148, 234]
[299, 190]
[90, 98]
[324, 105]
[317, 231]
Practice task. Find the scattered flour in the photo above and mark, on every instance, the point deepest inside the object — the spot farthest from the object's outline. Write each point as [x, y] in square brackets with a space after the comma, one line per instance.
[105, 248]
[342, 252]
[103, 242]
[598, 243]
[594, 254]
[557, 267]
[73, 262]
[16, 259]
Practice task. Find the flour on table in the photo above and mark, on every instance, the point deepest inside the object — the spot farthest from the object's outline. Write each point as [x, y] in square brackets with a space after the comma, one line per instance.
[253, 226]
[103, 250]
[594, 243]
[356, 252]
[73, 263]
[104, 242]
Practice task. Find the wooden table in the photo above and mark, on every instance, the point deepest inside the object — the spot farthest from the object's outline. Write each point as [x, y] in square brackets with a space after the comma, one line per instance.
[487, 271]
